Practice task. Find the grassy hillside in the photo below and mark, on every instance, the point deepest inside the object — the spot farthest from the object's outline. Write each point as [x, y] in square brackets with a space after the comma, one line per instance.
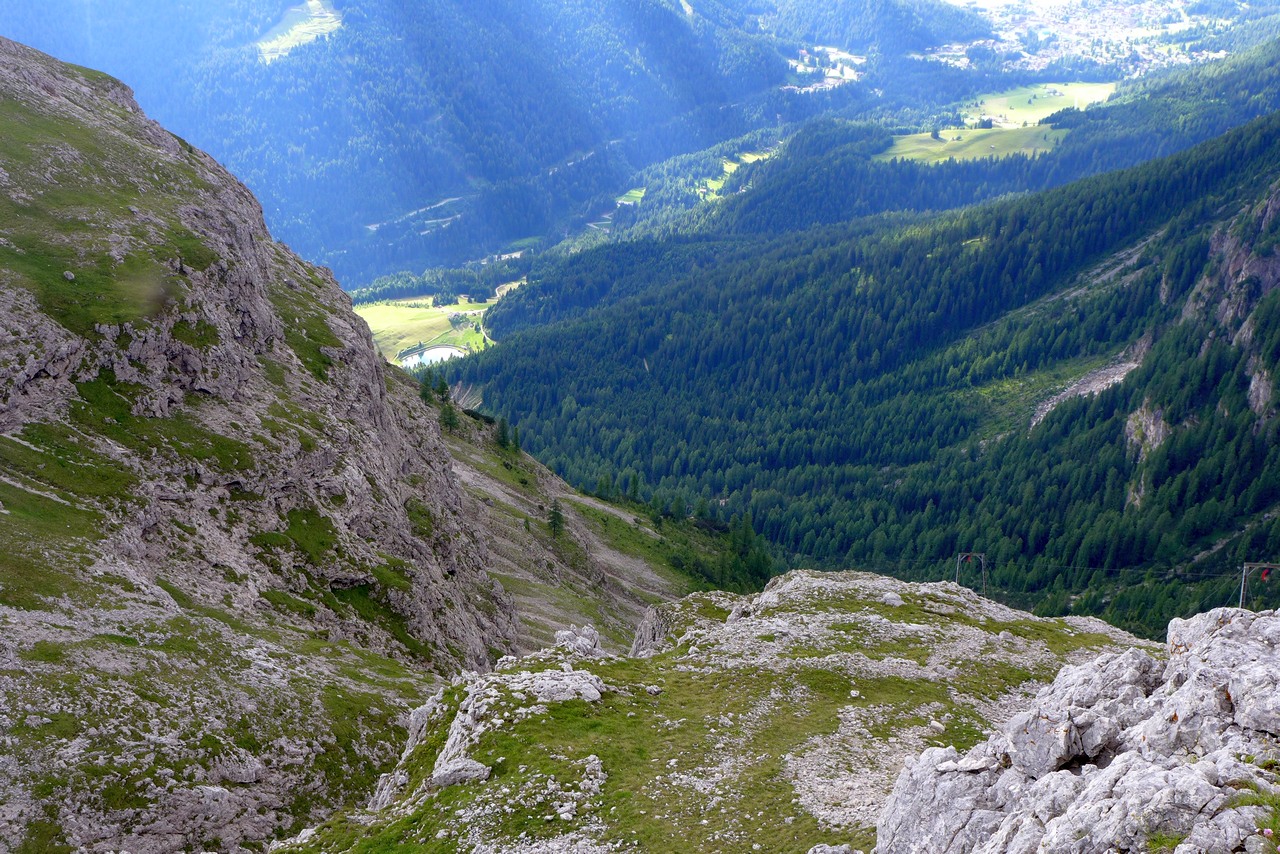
[973, 143]
[1028, 105]
[1015, 115]
[612, 558]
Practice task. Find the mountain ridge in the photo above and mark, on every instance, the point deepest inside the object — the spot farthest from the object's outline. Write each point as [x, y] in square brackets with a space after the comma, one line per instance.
[778, 720]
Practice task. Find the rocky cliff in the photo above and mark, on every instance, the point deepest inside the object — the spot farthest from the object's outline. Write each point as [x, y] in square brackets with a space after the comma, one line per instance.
[1125, 753]
[231, 547]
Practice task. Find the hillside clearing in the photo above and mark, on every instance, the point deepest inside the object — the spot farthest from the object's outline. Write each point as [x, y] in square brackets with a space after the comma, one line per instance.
[973, 144]
[711, 188]
[301, 24]
[1014, 115]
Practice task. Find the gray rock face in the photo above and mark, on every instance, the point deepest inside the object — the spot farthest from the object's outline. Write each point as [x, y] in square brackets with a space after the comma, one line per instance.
[653, 629]
[1114, 754]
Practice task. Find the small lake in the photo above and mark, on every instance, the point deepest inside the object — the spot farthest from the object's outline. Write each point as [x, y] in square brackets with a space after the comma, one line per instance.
[432, 356]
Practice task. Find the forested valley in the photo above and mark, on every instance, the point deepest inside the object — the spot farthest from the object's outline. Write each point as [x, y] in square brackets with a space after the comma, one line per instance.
[865, 391]
[434, 135]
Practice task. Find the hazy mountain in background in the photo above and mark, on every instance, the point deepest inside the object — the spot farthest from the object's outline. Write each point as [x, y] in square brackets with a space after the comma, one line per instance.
[382, 137]
[433, 133]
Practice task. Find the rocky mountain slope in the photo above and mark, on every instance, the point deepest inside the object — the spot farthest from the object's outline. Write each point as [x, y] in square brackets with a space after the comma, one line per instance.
[230, 545]
[739, 723]
[605, 568]
[233, 551]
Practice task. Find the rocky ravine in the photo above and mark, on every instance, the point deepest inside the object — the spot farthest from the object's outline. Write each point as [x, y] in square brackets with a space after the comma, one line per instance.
[231, 548]
[1125, 753]
[774, 722]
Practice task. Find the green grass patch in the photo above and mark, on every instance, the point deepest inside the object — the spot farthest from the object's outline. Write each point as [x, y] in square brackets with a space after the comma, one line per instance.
[190, 249]
[355, 719]
[178, 596]
[1013, 108]
[42, 543]
[1009, 403]
[420, 518]
[52, 456]
[711, 188]
[115, 640]
[675, 550]
[306, 328]
[364, 600]
[633, 196]
[44, 652]
[201, 335]
[394, 574]
[636, 735]
[1164, 842]
[1059, 637]
[102, 292]
[307, 531]
[289, 603]
[313, 533]
[59, 230]
[106, 407]
[43, 837]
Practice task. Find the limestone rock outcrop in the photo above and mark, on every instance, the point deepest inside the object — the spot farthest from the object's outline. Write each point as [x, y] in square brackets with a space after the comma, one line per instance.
[1119, 754]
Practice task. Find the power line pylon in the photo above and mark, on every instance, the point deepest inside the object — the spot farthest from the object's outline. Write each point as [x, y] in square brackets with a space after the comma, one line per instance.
[969, 557]
[1248, 569]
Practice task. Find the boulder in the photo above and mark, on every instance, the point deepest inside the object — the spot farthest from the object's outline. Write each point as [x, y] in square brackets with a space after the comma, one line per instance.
[1112, 754]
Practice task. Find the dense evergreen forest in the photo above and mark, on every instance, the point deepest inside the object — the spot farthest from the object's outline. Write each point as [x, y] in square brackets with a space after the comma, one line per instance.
[863, 392]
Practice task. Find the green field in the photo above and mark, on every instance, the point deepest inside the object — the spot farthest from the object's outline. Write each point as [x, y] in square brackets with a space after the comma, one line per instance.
[1030, 104]
[400, 324]
[973, 144]
[633, 196]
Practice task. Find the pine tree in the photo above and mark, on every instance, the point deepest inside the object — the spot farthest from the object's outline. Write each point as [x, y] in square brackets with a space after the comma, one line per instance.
[555, 519]
[448, 417]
